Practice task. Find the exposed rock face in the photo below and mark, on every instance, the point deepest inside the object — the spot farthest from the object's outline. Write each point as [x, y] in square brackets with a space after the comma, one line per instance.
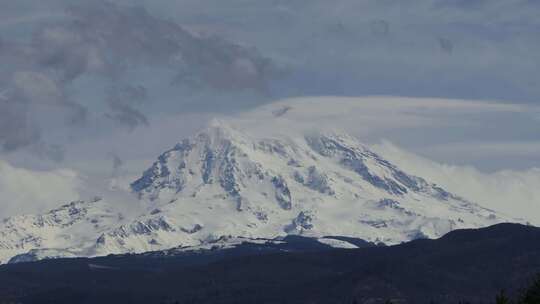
[302, 222]
[283, 194]
[318, 181]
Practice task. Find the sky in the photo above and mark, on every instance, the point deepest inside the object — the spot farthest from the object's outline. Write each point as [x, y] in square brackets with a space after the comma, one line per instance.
[94, 89]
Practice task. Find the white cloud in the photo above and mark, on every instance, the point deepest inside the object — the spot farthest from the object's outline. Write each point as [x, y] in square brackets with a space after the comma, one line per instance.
[29, 191]
[515, 193]
[483, 149]
[375, 116]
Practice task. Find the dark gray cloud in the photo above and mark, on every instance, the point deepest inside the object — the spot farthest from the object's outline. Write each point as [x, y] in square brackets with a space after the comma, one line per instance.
[379, 27]
[132, 37]
[123, 101]
[15, 129]
[117, 164]
[446, 45]
[48, 151]
[84, 64]
[389, 47]
[109, 44]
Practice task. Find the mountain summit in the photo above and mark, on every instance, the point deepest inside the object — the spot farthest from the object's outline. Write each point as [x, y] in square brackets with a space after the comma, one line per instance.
[224, 183]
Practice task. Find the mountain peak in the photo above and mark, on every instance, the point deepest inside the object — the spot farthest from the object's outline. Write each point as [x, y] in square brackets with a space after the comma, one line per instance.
[219, 126]
[219, 132]
[290, 180]
[216, 123]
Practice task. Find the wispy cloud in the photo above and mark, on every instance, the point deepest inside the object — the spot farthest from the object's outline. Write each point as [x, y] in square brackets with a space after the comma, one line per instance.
[491, 135]
[483, 149]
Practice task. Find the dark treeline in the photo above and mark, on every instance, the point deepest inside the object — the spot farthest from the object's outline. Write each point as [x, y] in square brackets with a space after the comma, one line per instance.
[529, 295]
[467, 266]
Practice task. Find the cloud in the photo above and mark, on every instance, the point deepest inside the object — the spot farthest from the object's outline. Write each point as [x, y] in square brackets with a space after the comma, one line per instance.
[117, 165]
[489, 135]
[378, 114]
[351, 47]
[515, 193]
[28, 191]
[446, 45]
[71, 63]
[137, 38]
[99, 44]
[15, 129]
[123, 101]
[482, 149]
[117, 162]
[45, 151]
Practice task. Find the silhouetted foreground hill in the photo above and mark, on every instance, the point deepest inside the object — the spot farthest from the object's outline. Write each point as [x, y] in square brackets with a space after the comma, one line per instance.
[464, 265]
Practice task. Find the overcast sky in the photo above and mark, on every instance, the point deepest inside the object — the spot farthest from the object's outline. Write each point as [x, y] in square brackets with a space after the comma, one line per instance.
[100, 86]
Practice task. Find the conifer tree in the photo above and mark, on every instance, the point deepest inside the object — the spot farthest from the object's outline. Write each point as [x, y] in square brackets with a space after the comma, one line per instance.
[532, 294]
[501, 298]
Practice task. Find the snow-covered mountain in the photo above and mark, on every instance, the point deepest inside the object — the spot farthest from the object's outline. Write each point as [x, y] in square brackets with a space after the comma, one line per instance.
[223, 182]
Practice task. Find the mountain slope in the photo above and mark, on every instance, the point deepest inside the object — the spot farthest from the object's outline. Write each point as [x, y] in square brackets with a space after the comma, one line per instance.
[318, 184]
[227, 183]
